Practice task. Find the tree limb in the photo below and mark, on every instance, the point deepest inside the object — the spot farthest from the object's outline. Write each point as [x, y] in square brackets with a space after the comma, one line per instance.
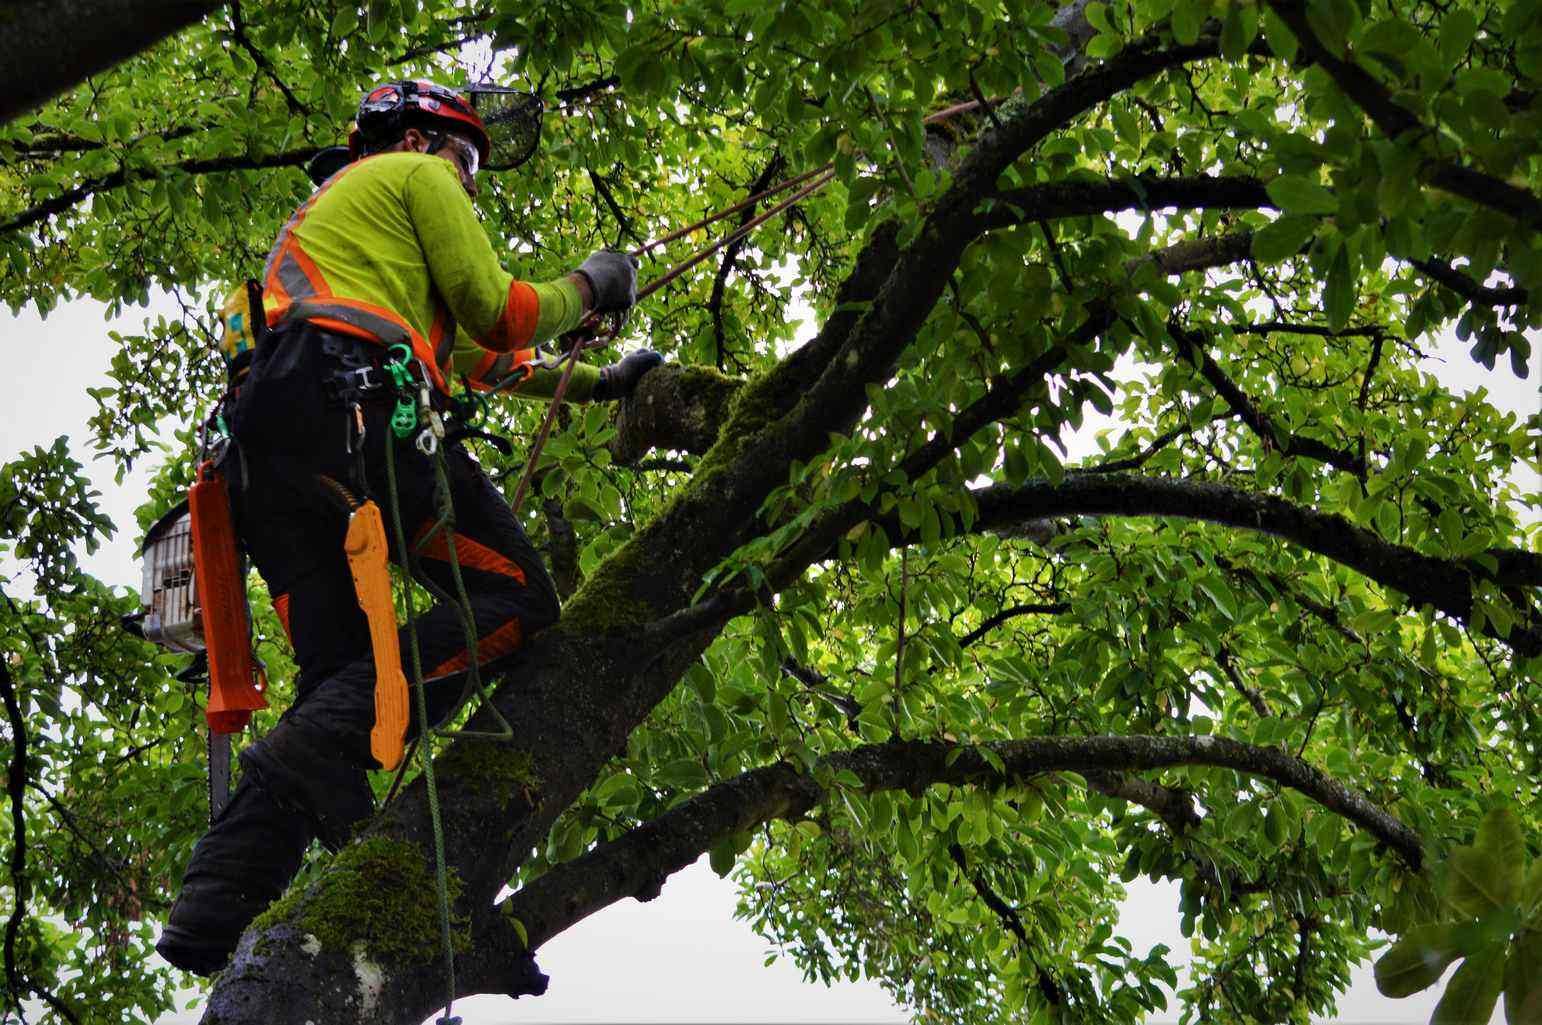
[1446, 584]
[191, 166]
[638, 860]
[1191, 345]
[1077, 198]
[50, 45]
[1397, 122]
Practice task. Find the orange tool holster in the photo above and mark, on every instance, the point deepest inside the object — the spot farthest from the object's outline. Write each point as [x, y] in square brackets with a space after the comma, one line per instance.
[235, 683]
[368, 561]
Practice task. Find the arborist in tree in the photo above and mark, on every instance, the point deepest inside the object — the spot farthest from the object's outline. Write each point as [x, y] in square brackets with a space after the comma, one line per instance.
[387, 252]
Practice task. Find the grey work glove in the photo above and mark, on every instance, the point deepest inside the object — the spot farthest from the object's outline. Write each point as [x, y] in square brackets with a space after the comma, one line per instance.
[612, 278]
[619, 379]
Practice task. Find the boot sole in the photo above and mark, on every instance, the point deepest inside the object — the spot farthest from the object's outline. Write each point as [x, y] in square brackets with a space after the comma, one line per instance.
[187, 951]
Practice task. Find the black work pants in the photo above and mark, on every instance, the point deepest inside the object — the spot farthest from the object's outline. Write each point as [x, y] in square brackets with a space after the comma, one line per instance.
[298, 433]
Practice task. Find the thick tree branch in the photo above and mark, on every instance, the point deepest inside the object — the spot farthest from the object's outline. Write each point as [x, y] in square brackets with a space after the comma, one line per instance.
[639, 860]
[1398, 123]
[50, 45]
[1445, 584]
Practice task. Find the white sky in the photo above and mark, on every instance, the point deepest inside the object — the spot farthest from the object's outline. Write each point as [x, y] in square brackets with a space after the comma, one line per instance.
[682, 957]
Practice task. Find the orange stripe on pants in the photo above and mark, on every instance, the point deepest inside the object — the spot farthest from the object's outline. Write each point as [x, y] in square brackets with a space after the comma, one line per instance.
[495, 645]
[473, 554]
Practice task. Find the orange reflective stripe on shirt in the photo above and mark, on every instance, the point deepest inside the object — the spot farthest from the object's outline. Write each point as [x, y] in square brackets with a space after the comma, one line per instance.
[516, 325]
[493, 368]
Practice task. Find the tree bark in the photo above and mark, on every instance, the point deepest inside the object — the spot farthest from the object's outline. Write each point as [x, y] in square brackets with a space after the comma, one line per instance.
[47, 46]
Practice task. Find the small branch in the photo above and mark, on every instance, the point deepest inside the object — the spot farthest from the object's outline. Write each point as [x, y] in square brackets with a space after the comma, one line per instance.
[1191, 344]
[623, 222]
[731, 255]
[15, 786]
[238, 30]
[1040, 609]
[583, 92]
[1157, 444]
[1469, 289]
[1223, 658]
[192, 166]
[1009, 918]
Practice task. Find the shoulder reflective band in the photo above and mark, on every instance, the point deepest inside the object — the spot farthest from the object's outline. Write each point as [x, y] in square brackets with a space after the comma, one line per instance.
[367, 561]
[233, 678]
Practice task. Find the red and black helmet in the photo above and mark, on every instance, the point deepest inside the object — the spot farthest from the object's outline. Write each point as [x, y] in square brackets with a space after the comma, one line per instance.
[391, 108]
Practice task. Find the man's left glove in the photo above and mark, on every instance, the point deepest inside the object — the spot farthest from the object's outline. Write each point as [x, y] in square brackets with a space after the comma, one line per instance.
[617, 380]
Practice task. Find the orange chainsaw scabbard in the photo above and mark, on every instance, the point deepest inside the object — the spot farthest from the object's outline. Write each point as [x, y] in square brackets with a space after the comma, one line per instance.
[233, 689]
[368, 561]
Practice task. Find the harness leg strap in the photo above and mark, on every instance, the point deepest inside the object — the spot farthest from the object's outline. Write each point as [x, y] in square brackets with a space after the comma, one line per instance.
[365, 545]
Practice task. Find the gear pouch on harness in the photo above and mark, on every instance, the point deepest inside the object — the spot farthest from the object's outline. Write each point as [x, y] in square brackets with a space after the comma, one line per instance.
[194, 597]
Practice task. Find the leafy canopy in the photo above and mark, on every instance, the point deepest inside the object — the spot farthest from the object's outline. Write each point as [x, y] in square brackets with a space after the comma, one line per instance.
[1334, 174]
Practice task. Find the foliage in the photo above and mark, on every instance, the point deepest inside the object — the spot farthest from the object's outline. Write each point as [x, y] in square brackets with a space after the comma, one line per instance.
[1289, 369]
[1492, 923]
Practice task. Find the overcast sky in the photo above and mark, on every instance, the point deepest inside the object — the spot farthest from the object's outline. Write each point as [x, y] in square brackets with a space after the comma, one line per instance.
[681, 957]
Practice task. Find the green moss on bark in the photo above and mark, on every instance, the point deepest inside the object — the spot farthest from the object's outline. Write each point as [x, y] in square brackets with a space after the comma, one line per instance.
[506, 771]
[377, 892]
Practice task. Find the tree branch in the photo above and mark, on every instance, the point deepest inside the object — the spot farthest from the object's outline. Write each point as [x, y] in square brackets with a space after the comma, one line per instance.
[1446, 584]
[639, 860]
[1078, 198]
[191, 166]
[1396, 122]
[15, 786]
[1466, 287]
[50, 45]
[238, 30]
[992, 622]
[1191, 344]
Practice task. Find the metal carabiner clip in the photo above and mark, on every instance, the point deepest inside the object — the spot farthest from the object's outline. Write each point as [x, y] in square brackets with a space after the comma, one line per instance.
[427, 442]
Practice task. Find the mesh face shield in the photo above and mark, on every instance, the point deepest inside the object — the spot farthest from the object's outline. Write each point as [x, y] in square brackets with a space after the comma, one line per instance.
[513, 120]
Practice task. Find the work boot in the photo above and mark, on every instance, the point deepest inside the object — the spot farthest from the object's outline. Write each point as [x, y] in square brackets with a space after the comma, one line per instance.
[241, 865]
[308, 774]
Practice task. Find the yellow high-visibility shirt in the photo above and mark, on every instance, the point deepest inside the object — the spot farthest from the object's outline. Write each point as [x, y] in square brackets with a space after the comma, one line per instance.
[389, 249]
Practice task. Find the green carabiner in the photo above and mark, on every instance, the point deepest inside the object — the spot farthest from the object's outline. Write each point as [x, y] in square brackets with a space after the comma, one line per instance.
[404, 418]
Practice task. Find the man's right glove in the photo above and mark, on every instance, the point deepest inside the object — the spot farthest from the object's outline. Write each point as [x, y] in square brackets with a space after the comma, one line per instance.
[617, 380]
[612, 278]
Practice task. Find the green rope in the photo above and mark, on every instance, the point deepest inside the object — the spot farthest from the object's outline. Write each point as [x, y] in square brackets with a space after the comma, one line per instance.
[404, 421]
[441, 874]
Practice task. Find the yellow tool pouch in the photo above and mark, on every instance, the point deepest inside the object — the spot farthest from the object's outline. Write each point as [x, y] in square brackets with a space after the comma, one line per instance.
[368, 561]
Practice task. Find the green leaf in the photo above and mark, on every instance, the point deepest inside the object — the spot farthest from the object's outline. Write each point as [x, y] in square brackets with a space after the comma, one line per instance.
[1474, 990]
[1339, 294]
[1531, 894]
[1239, 29]
[1186, 19]
[1296, 194]
[1416, 961]
[1282, 238]
[1523, 979]
[1500, 841]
